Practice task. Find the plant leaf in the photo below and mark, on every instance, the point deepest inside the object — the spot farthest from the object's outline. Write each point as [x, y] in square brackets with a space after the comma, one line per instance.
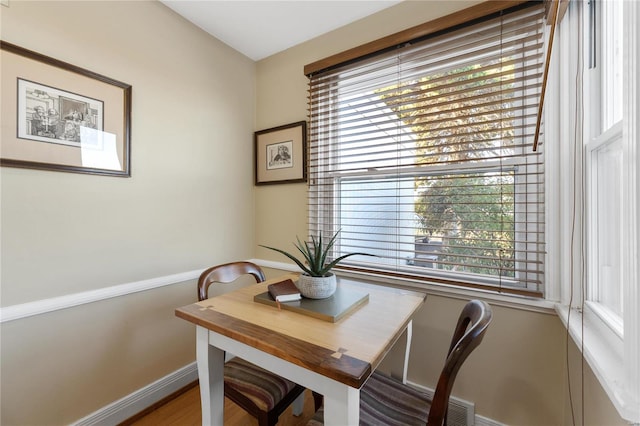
[317, 252]
[306, 253]
[328, 249]
[315, 255]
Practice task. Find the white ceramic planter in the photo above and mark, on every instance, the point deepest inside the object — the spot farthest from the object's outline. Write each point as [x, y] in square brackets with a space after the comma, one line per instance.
[317, 287]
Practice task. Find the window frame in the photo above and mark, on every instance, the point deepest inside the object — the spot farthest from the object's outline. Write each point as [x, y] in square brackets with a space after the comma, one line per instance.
[612, 354]
[596, 287]
[417, 172]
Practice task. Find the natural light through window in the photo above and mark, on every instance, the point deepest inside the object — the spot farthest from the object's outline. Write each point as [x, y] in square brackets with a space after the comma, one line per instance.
[423, 157]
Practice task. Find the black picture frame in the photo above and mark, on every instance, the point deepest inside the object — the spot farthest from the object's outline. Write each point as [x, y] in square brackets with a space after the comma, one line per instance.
[281, 154]
[62, 117]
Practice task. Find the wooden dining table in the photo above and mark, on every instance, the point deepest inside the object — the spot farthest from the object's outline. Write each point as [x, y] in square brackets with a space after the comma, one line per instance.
[331, 358]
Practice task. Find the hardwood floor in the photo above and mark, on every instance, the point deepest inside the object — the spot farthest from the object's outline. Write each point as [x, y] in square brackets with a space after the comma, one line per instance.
[184, 410]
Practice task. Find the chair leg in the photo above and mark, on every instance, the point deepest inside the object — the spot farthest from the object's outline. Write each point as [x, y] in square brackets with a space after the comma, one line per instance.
[265, 420]
[317, 400]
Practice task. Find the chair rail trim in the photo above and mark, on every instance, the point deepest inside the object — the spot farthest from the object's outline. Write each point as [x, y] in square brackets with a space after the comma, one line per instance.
[38, 307]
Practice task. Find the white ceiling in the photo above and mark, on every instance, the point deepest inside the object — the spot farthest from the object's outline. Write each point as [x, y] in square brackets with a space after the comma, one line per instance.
[260, 28]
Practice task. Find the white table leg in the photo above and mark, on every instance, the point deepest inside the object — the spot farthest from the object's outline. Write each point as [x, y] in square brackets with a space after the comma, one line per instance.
[407, 351]
[342, 408]
[210, 362]
[298, 405]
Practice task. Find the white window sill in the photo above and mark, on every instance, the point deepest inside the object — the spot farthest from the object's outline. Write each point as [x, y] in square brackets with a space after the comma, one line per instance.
[517, 302]
[604, 352]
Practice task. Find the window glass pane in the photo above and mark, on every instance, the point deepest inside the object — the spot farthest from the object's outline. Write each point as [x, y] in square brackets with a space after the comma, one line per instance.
[612, 33]
[606, 286]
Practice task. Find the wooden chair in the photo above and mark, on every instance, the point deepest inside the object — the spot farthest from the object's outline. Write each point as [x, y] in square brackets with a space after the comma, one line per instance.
[387, 401]
[261, 393]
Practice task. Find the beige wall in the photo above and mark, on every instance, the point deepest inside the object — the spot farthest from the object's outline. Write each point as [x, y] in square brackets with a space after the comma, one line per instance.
[188, 205]
[518, 375]
[193, 103]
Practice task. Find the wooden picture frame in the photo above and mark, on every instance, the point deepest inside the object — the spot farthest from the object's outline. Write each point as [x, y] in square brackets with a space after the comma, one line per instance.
[281, 154]
[57, 116]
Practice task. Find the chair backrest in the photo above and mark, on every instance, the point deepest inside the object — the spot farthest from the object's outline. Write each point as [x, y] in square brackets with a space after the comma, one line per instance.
[472, 324]
[225, 274]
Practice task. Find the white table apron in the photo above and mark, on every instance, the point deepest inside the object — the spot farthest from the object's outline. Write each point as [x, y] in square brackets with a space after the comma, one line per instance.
[341, 402]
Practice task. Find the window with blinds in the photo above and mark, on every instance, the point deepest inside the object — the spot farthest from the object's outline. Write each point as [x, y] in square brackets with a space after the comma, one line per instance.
[422, 156]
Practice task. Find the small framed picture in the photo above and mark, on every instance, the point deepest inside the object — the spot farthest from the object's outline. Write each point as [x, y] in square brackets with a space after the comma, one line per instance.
[281, 154]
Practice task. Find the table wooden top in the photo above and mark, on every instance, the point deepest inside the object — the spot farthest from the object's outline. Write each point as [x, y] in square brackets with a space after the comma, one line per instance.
[346, 351]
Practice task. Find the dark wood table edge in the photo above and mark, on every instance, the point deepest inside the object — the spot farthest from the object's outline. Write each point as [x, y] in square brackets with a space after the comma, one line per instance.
[337, 366]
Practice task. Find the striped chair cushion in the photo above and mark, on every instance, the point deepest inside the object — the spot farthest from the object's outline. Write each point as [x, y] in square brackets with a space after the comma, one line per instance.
[262, 387]
[385, 401]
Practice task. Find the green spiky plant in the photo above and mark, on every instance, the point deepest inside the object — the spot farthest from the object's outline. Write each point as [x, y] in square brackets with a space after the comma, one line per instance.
[315, 255]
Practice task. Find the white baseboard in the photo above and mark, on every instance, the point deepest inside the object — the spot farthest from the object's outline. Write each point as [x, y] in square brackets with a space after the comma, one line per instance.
[485, 421]
[132, 404]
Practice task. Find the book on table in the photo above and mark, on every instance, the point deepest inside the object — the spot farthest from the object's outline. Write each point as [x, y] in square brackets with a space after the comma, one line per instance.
[284, 291]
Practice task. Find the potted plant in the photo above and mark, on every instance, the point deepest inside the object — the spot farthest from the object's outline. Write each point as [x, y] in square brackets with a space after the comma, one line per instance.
[317, 281]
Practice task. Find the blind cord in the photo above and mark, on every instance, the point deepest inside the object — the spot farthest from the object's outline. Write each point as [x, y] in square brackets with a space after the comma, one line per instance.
[582, 244]
[500, 264]
[578, 124]
[398, 161]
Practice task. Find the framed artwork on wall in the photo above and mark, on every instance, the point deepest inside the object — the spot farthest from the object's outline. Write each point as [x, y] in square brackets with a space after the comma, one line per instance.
[57, 116]
[281, 154]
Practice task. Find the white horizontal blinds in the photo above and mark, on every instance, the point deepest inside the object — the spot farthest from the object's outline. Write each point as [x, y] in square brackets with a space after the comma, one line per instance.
[422, 156]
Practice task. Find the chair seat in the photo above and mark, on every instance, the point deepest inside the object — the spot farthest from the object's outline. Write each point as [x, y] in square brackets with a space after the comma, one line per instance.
[262, 387]
[402, 405]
